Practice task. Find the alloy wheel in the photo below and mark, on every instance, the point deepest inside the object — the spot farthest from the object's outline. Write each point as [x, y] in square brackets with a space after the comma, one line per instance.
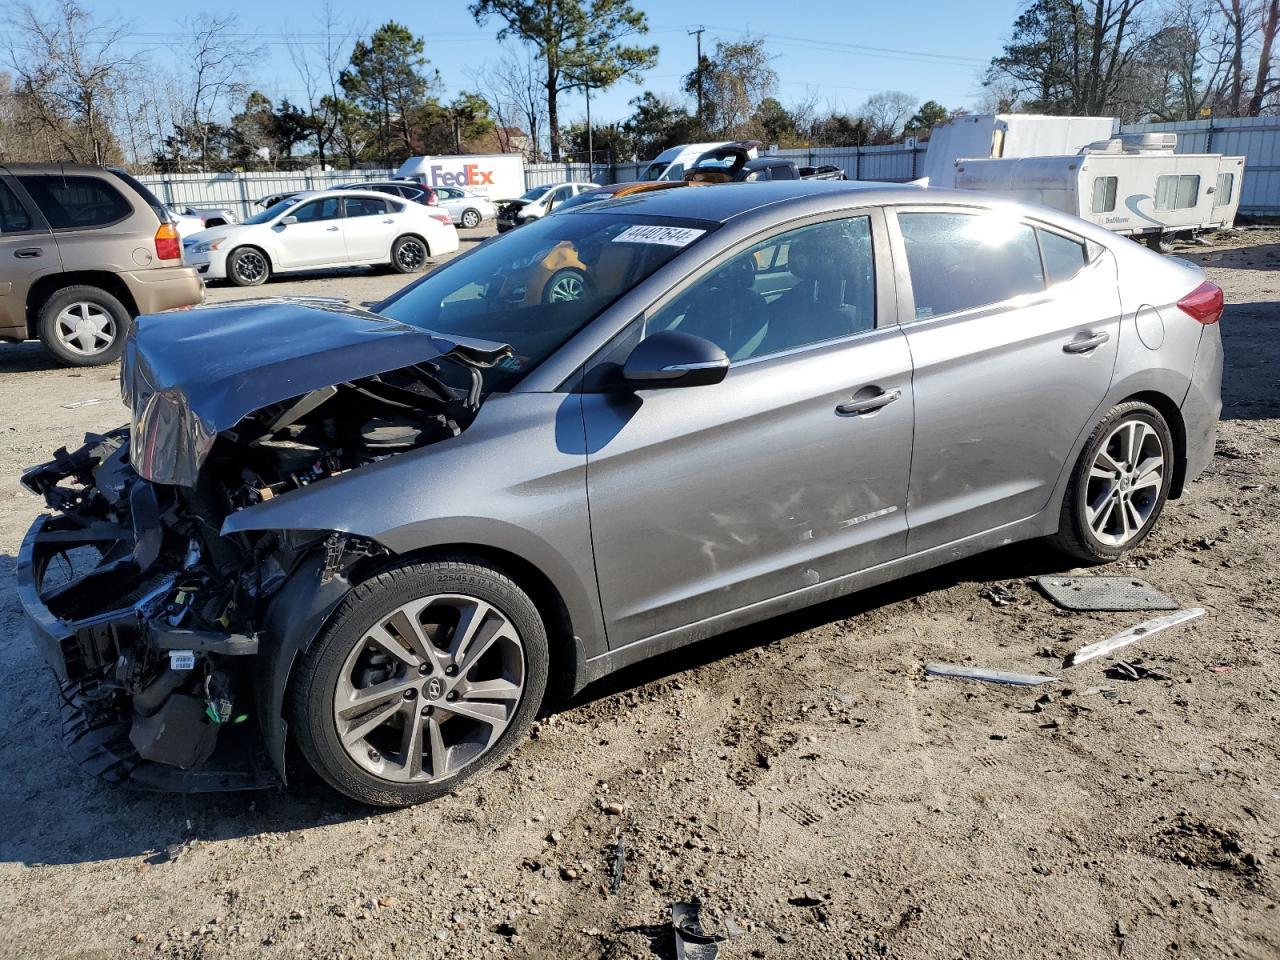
[250, 266]
[429, 688]
[470, 219]
[565, 288]
[1125, 482]
[85, 329]
[411, 255]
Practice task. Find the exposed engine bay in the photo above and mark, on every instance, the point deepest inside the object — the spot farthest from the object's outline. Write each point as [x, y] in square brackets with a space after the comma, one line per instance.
[152, 618]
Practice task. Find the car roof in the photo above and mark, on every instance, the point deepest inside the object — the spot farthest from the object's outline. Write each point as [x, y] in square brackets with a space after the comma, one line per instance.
[722, 202]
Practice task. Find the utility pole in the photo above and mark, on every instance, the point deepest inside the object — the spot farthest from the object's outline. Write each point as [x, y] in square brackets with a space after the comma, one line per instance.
[591, 157]
[698, 69]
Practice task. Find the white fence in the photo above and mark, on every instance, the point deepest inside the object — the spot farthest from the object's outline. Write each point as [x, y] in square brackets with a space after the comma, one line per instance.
[1256, 138]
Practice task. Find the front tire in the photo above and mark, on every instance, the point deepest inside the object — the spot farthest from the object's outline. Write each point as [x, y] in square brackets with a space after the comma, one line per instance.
[409, 254]
[427, 675]
[83, 326]
[565, 286]
[471, 219]
[248, 267]
[1119, 486]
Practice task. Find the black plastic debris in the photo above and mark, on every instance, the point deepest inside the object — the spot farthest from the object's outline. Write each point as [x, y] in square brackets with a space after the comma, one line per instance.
[1104, 593]
[1124, 670]
[998, 595]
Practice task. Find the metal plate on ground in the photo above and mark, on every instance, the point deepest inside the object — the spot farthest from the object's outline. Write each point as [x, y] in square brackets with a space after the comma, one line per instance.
[1104, 593]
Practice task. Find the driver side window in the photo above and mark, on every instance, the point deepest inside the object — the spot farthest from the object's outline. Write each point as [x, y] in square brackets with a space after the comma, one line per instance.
[801, 287]
[325, 209]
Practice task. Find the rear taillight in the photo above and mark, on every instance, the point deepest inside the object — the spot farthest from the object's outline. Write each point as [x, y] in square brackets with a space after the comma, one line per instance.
[1204, 303]
[168, 243]
[432, 197]
[442, 217]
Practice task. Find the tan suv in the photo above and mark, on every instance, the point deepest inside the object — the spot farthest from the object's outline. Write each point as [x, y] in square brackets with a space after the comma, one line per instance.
[84, 250]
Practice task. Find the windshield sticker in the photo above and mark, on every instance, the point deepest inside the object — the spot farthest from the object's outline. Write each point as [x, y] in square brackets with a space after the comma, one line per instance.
[667, 236]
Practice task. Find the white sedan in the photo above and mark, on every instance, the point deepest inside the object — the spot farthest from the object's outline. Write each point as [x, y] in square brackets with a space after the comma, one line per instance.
[331, 228]
[467, 209]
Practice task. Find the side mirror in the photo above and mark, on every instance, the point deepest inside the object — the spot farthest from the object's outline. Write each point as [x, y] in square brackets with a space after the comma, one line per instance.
[285, 221]
[674, 359]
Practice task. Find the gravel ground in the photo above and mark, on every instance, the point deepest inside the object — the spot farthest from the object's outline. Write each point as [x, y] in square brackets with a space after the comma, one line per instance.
[801, 777]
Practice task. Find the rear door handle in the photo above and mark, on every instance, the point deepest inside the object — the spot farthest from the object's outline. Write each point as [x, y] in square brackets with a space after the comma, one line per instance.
[852, 408]
[331, 229]
[1085, 344]
[26, 253]
[388, 220]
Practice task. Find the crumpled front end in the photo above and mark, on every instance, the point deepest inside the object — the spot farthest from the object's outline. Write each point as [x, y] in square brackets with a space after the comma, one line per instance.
[158, 625]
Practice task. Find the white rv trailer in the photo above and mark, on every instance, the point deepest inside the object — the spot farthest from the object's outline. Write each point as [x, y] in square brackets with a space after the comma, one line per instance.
[1133, 185]
[1006, 135]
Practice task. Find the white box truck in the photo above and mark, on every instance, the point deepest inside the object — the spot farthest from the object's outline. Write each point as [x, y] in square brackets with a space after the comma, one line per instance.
[1133, 185]
[493, 175]
[1006, 135]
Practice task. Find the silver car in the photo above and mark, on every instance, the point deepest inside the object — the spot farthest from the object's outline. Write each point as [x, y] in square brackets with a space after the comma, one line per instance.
[386, 542]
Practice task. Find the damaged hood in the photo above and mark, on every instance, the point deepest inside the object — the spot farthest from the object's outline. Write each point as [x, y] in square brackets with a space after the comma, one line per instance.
[187, 376]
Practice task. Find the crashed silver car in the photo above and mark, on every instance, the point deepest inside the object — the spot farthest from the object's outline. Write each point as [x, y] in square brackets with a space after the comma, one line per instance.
[376, 539]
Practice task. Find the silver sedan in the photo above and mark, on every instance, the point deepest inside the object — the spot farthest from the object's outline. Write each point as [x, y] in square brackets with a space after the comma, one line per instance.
[390, 536]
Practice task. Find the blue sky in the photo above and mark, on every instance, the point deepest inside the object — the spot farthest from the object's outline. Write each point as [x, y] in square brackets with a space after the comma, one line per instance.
[842, 51]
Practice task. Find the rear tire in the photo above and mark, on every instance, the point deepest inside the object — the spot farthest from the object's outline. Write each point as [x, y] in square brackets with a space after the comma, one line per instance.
[83, 326]
[248, 267]
[471, 218]
[409, 254]
[1119, 486]
[393, 724]
[1159, 242]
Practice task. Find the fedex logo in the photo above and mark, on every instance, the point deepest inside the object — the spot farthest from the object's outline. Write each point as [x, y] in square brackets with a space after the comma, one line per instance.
[471, 176]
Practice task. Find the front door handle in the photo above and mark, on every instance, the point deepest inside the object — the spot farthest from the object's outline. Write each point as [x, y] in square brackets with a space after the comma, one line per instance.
[852, 408]
[331, 229]
[1085, 344]
[389, 220]
[26, 253]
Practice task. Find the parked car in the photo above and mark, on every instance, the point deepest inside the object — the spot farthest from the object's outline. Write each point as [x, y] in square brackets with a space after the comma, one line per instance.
[382, 540]
[329, 228]
[467, 209]
[408, 189]
[740, 162]
[536, 202]
[271, 199]
[186, 224]
[671, 163]
[86, 250]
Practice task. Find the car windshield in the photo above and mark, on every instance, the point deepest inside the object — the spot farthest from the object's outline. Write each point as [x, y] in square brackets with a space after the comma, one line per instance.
[538, 286]
[534, 193]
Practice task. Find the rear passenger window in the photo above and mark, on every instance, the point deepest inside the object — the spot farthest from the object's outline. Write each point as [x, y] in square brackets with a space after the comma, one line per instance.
[959, 261]
[1063, 257]
[73, 201]
[1177, 191]
[798, 288]
[365, 206]
[1104, 194]
[13, 215]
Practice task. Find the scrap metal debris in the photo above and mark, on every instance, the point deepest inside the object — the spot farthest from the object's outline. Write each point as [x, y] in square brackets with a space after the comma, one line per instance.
[1124, 670]
[983, 673]
[692, 941]
[619, 861]
[1126, 637]
[1104, 593]
[998, 595]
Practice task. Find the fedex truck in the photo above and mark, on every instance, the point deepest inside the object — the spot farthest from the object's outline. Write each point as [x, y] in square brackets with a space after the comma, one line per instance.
[492, 175]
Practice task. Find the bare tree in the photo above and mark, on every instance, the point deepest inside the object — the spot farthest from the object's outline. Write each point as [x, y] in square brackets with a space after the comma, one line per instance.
[68, 71]
[219, 67]
[886, 114]
[516, 95]
[319, 64]
[1264, 83]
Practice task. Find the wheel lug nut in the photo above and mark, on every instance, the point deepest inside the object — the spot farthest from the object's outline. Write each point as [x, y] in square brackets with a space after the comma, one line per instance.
[426, 711]
[410, 694]
[453, 695]
[450, 670]
[424, 668]
[374, 755]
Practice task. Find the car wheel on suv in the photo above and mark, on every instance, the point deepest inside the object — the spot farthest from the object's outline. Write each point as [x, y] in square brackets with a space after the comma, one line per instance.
[83, 326]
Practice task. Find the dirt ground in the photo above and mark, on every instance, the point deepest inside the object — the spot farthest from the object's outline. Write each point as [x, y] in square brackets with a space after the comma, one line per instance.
[801, 777]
